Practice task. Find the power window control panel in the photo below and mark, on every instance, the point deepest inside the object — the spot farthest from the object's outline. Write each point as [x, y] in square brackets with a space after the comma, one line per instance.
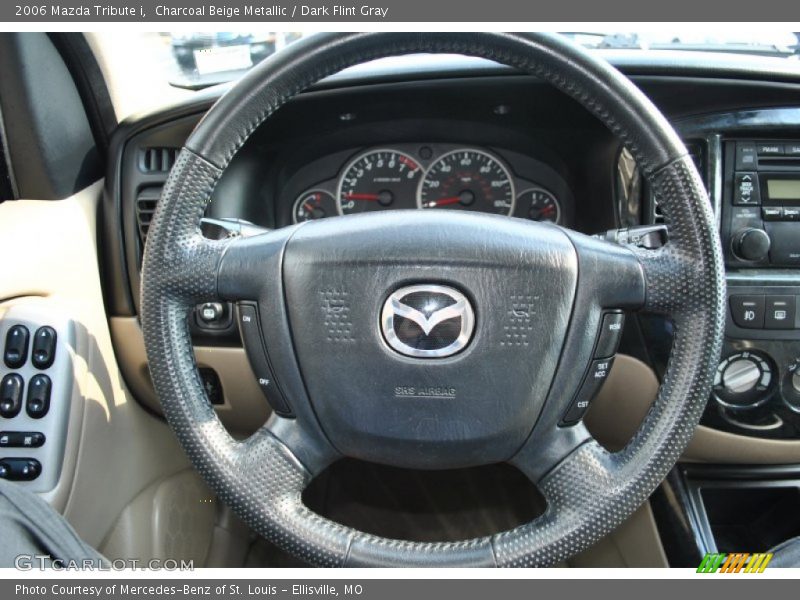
[35, 394]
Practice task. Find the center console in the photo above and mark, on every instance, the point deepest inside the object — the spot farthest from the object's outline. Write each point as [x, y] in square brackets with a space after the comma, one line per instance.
[757, 384]
[739, 500]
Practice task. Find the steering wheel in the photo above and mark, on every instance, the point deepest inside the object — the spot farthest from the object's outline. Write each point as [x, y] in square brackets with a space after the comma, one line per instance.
[343, 303]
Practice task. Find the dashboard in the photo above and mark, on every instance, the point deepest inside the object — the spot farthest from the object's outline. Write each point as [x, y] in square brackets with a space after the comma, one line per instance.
[488, 139]
[425, 175]
[478, 137]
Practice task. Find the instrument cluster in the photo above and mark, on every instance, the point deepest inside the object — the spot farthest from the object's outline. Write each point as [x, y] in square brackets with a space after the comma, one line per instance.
[433, 176]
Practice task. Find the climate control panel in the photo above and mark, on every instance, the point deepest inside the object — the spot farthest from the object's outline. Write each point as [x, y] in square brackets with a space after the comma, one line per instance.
[756, 389]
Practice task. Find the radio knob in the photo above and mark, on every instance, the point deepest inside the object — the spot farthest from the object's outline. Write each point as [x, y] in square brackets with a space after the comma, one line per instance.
[751, 244]
[741, 376]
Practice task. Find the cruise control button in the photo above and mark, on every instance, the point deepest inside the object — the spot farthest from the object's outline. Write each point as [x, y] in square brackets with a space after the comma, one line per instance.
[11, 395]
[44, 347]
[594, 380]
[600, 370]
[21, 439]
[746, 190]
[610, 335]
[16, 349]
[250, 332]
[748, 311]
[38, 402]
[780, 312]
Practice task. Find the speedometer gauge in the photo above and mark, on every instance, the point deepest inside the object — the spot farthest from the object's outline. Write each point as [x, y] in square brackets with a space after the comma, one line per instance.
[468, 180]
[376, 180]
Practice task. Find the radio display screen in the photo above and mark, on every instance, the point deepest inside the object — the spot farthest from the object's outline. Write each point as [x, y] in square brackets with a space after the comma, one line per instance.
[783, 189]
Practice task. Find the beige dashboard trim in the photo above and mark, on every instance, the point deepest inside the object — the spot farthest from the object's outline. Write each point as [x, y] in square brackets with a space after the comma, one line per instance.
[710, 445]
[245, 408]
[627, 396]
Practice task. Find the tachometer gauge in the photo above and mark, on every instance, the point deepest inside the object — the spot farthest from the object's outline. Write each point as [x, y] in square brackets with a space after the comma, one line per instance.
[314, 204]
[376, 180]
[539, 205]
[467, 180]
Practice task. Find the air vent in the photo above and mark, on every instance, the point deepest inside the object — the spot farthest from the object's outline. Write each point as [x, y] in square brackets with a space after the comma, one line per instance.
[157, 160]
[146, 202]
[696, 152]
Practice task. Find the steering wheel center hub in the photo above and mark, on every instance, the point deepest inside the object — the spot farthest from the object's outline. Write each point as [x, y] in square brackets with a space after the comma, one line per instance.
[428, 338]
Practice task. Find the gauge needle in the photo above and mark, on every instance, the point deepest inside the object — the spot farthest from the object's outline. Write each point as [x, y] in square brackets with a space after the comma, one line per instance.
[443, 202]
[373, 197]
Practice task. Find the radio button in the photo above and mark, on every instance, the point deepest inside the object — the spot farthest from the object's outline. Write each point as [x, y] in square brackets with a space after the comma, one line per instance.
[791, 213]
[769, 149]
[746, 159]
[745, 190]
[772, 213]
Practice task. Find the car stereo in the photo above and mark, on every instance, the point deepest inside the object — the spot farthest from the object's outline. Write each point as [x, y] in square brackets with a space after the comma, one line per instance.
[761, 205]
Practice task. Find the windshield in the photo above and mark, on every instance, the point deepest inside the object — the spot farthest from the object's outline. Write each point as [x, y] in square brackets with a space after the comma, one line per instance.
[778, 43]
[148, 69]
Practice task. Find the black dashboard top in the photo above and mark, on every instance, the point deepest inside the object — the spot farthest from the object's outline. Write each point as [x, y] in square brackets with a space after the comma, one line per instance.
[440, 103]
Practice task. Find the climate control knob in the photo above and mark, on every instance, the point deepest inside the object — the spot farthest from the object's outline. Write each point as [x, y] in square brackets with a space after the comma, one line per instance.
[751, 244]
[740, 376]
[791, 386]
[743, 380]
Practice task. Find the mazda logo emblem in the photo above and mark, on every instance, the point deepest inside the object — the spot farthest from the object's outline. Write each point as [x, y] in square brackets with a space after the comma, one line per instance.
[427, 321]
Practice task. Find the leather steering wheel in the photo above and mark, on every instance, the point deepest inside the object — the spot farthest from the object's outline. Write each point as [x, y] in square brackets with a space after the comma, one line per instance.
[319, 289]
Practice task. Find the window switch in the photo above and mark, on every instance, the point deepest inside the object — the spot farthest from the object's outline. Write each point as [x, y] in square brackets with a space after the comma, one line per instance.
[11, 388]
[16, 350]
[38, 403]
[44, 348]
